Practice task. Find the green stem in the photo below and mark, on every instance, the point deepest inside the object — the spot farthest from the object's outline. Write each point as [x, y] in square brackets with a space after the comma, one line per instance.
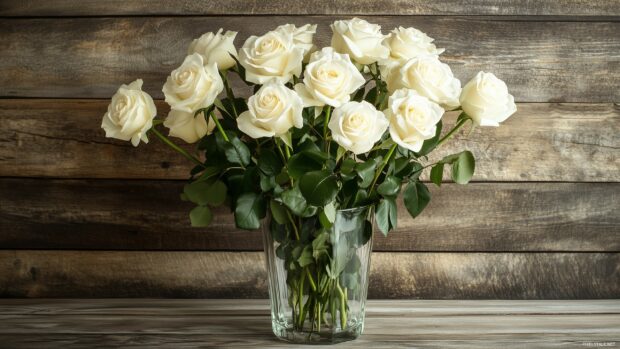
[300, 295]
[457, 127]
[381, 167]
[229, 93]
[219, 126]
[311, 280]
[343, 306]
[177, 148]
[328, 114]
[290, 218]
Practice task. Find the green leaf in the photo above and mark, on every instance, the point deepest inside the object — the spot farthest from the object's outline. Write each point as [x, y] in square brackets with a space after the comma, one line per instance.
[437, 174]
[295, 201]
[319, 245]
[463, 168]
[200, 216]
[209, 172]
[269, 162]
[328, 215]
[197, 192]
[278, 212]
[235, 150]
[318, 187]
[216, 193]
[305, 258]
[389, 187]
[304, 162]
[203, 193]
[249, 210]
[416, 197]
[267, 182]
[382, 216]
[366, 172]
[393, 212]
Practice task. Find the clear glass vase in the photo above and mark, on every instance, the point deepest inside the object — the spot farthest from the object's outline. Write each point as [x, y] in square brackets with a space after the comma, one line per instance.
[318, 276]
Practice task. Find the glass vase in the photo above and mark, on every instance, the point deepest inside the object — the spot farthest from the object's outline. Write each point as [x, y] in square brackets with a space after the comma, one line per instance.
[318, 275]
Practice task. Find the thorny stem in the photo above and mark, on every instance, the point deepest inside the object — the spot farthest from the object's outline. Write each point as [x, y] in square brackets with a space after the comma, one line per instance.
[328, 113]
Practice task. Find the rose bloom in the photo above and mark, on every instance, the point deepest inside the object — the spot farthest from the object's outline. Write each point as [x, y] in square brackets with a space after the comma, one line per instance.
[430, 78]
[130, 114]
[357, 126]
[302, 37]
[215, 48]
[188, 127]
[408, 43]
[413, 118]
[360, 40]
[271, 56]
[486, 100]
[329, 79]
[272, 111]
[193, 85]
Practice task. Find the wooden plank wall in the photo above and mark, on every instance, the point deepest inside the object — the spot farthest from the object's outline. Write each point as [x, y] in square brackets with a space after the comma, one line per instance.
[86, 216]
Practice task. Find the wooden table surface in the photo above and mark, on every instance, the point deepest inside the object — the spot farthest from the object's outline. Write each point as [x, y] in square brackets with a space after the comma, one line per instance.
[150, 323]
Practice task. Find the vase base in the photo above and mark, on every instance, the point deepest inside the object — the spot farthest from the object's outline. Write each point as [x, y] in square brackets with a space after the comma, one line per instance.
[325, 336]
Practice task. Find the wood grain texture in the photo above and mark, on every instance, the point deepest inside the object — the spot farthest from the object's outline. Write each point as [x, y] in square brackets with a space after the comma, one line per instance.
[242, 275]
[245, 323]
[298, 7]
[90, 57]
[541, 142]
[135, 215]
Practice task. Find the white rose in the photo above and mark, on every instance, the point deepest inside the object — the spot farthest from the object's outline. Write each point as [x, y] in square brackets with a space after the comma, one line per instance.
[330, 78]
[413, 118]
[193, 85]
[215, 48]
[360, 40]
[272, 111]
[302, 37]
[486, 100]
[357, 126]
[430, 78]
[407, 43]
[271, 56]
[188, 127]
[130, 114]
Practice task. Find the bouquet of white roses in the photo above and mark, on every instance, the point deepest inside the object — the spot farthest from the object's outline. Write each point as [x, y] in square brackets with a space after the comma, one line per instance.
[325, 130]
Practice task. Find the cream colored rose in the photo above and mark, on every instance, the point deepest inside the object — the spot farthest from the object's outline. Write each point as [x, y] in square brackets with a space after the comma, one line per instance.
[360, 40]
[486, 100]
[188, 127]
[215, 48]
[357, 126]
[272, 111]
[407, 43]
[130, 114]
[330, 78]
[193, 85]
[413, 118]
[430, 78]
[302, 37]
[271, 56]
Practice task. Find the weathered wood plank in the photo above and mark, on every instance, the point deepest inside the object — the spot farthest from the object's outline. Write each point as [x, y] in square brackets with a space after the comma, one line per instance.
[136, 215]
[242, 275]
[245, 323]
[541, 142]
[89, 57]
[376, 308]
[264, 339]
[298, 7]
